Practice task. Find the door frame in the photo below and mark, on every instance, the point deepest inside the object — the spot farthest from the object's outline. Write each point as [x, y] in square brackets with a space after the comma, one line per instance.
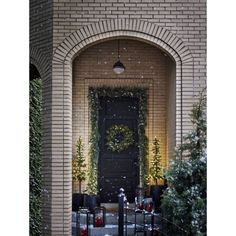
[141, 93]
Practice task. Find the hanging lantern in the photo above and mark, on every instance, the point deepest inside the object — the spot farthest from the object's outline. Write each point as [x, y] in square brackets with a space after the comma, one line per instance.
[118, 67]
[99, 217]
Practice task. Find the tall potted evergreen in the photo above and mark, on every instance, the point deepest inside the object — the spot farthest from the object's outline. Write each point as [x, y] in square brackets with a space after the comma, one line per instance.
[91, 200]
[156, 174]
[78, 175]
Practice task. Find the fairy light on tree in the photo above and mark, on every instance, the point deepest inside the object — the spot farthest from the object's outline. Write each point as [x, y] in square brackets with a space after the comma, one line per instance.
[78, 163]
[156, 170]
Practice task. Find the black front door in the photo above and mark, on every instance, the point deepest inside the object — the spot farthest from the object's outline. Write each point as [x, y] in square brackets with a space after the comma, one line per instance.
[118, 169]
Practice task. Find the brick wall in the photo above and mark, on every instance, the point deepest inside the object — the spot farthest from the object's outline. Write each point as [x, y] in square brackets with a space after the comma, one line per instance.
[57, 36]
[41, 26]
[171, 111]
[184, 18]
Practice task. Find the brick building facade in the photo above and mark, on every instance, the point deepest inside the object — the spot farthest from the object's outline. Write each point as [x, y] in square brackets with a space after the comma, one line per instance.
[73, 45]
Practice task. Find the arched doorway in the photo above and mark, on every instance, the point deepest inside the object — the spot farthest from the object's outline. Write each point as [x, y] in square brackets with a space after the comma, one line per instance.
[147, 67]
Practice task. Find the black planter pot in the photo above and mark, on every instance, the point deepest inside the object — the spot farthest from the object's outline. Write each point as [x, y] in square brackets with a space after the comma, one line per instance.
[156, 191]
[91, 201]
[77, 201]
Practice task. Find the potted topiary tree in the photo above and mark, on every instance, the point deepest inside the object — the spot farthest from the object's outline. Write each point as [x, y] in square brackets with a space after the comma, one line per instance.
[91, 200]
[78, 175]
[156, 174]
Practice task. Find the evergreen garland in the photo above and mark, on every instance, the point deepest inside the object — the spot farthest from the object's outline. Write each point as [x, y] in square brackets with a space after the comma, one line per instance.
[35, 164]
[141, 94]
[92, 175]
[94, 139]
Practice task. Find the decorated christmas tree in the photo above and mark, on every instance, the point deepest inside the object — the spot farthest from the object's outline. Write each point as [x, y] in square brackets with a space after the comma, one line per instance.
[78, 164]
[156, 171]
[184, 201]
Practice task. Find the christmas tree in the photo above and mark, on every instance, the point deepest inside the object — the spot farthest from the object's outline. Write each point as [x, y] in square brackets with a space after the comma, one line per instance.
[184, 201]
[155, 171]
[78, 164]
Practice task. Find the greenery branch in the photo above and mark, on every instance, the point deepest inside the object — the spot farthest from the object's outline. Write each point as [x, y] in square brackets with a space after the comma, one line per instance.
[35, 165]
[184, 201]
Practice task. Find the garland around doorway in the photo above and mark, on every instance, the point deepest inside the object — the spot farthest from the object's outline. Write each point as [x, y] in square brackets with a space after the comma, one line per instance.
[93, 98]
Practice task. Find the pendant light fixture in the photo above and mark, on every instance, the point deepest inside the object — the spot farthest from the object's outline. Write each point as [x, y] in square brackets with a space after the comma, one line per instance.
[118, 67]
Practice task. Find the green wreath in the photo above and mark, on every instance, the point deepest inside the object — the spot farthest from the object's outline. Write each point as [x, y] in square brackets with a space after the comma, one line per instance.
[119, 138]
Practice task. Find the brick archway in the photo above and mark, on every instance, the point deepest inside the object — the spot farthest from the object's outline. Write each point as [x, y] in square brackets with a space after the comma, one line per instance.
[142, 30]
[61, 104]
[133, 29]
